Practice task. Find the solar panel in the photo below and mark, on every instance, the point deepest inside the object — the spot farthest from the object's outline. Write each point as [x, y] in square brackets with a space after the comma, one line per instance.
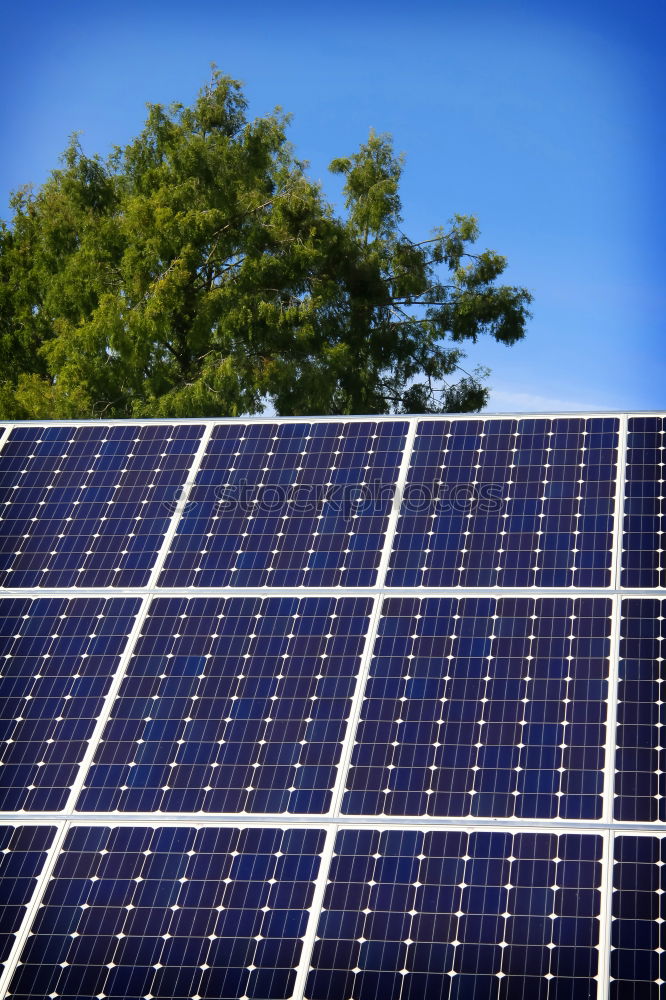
[332, 709]
[172, 912]
[508, 503]
[88, 506]
[445, 913]
[232, 705]
[288, 505]
[643, 562]
[637, 963]
[23, 851]
[57, 658]
[640, 788]
[484, 707]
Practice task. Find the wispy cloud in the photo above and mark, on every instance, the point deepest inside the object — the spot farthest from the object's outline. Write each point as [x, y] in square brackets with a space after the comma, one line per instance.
[528, 402]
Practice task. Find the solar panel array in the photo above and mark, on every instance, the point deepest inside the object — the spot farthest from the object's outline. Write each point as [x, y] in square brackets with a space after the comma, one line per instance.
[333, 709]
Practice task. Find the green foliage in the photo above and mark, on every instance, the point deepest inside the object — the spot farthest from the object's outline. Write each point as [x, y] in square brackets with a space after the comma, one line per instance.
[199, 272]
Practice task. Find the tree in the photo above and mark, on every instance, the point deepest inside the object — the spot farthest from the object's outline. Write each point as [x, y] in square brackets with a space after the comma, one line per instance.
[199, 272]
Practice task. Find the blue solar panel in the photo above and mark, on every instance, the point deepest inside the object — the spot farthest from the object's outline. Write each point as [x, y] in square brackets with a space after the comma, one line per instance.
[509, 503]
[89, 506]
[638, 941]
[232, 705]
[22, 856]
[57, 658]
[640, 783]
[643, 560]
[449, 745]
[409, 915]
[174, 912]
[484, 707]
[288, 505]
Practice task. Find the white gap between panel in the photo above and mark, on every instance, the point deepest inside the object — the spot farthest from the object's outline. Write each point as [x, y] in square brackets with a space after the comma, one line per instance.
[396, 506]
[618, 516]
[284, 821]
[315, 911]
[107, 706]
[605, 908]
[306, 590]
[355, 710]
[611, 711]
[31, 908]
[181, 504]
[4, 436]
[323, 820]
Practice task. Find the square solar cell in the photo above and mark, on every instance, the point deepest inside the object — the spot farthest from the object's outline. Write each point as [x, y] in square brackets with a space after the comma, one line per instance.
[638, 938]
[232, 705]
[508, 503]
[409, 915]
[172, 912]
[89, 506]
[288, 505]
[484, 707]
[23, 852]
[57, 659]
[640, 764]
[643, 560]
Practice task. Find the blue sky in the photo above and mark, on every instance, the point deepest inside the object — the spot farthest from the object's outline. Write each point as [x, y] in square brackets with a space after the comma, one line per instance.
[545, 121]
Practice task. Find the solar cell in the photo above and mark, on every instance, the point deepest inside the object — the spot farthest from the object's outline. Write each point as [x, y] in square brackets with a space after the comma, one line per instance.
[288, 505]
[173, 912]
[643, 561]
[57, 658]
[23, 851]
[416, 914]
[640, 785]
[638, 938]
[508, 503]
[484, 707]
[232, 705]
[88, 506]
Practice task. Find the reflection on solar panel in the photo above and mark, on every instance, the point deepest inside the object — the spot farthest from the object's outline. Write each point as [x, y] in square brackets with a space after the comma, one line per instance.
[172, 912]
[643, 561]
[22, 856]
[333, 709]
[88, 506]
[232, 705]
[509, 503]
[288, 505]
[57, 659]
[484, 707]
[442, 913]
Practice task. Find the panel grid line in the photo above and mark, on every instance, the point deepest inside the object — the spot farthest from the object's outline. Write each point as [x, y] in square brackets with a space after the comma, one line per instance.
[398, 499]
[573, 592]
[355, 710]
[618, 521]
[323, 820]
[605, 922]
[314, 915]
[611, 717]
